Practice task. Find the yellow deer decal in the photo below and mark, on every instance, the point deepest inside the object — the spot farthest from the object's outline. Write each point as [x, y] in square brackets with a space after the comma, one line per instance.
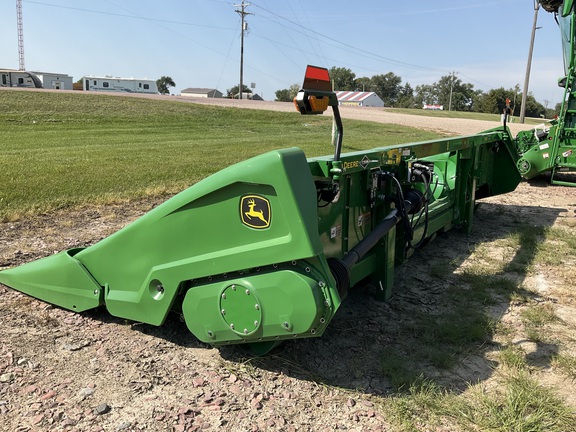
[255, 213]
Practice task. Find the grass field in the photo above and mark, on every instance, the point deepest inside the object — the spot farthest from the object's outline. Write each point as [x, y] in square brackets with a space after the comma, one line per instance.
[461, 114]
[61, 149]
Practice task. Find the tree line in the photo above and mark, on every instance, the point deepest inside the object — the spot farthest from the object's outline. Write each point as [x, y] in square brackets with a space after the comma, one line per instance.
[449, 91]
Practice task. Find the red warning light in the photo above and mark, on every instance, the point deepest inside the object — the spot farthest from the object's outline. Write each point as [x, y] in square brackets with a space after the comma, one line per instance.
[317, 78]
[317, 73]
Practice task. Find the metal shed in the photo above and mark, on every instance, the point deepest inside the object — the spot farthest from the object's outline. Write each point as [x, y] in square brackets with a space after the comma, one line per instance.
[352, 98]
[201, 92]
[55, 81]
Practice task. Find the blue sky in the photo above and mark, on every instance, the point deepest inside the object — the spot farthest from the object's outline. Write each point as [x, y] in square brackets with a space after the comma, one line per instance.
[197, 42]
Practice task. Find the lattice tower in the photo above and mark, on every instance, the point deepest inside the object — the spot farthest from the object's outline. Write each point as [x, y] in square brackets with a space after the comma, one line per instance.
[20, 35]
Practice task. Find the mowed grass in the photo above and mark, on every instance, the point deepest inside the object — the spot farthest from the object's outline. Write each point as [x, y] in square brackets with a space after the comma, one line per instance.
[462, 115]
[61, 149]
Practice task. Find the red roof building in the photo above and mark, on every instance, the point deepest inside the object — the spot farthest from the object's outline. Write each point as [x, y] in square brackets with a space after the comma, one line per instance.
[352, 98]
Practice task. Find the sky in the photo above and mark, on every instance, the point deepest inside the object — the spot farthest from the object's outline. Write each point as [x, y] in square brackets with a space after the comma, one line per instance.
[197, 42]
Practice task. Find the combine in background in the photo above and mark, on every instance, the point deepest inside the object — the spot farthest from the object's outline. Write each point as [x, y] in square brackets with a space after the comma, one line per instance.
[553, 149]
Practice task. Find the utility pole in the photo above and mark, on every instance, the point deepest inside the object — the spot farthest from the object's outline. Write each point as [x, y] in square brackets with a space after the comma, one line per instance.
[529, 64]
[451, 89]
[20, 35]
[242, 12]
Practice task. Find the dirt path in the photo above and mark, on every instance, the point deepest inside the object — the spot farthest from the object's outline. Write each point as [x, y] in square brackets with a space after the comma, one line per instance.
[91, 371]
[379, 115]
[448, 126]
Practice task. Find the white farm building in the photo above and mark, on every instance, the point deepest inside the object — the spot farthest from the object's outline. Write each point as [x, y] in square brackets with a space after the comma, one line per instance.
[55, 81]
[116, 84]
[201, 93]
[366, 99]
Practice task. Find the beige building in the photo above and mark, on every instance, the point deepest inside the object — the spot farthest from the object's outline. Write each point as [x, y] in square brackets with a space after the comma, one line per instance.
[201, 93]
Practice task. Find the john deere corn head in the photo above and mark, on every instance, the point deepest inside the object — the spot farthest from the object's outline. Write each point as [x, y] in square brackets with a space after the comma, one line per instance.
[267, 249]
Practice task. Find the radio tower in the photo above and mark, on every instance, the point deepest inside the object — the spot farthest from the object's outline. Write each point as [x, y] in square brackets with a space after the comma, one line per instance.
[20, 35]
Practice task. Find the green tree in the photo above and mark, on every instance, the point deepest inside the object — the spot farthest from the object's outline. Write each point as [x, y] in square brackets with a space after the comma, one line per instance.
[494, 101]
[517, 99]
[454, 93]
[232, 93]
[387, 86]
[556, 110]
[406, 97]
[425, 94]
[343, 79]
[448, 91]
[163, 83]
[534, 108]
[283, 95]
[288, 95]
[363, 84]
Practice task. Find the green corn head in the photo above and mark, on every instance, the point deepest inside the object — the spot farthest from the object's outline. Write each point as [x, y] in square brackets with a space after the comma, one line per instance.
[266, 250]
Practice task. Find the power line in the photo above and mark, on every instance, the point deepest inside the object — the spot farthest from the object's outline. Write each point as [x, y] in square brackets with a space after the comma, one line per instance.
[305, 35]
[276, 44]
[293, 28]
[477, 82]
[349, 48]
[132, 16]
[359, 51]
[355, 49]
[225, 62]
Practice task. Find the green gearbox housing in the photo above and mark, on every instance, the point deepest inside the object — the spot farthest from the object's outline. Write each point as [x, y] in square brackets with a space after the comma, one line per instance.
[235, 276]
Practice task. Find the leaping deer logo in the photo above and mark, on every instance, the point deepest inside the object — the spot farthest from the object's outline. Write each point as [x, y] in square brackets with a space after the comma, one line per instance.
[255, 211]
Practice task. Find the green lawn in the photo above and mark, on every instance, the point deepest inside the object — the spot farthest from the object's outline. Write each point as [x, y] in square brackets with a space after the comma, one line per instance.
[461, 114]
[62, 149]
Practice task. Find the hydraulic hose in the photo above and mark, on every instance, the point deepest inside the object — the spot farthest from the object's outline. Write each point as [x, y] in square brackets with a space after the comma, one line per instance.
[363, 247]
[339, 131]
[412, 203]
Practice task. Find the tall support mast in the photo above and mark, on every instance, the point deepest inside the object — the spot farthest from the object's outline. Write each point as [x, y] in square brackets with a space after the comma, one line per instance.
[242, 12]
[20, 36]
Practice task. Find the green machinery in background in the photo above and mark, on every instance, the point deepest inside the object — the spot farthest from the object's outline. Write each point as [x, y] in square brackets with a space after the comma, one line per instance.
[553, 149]
[266, 250]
